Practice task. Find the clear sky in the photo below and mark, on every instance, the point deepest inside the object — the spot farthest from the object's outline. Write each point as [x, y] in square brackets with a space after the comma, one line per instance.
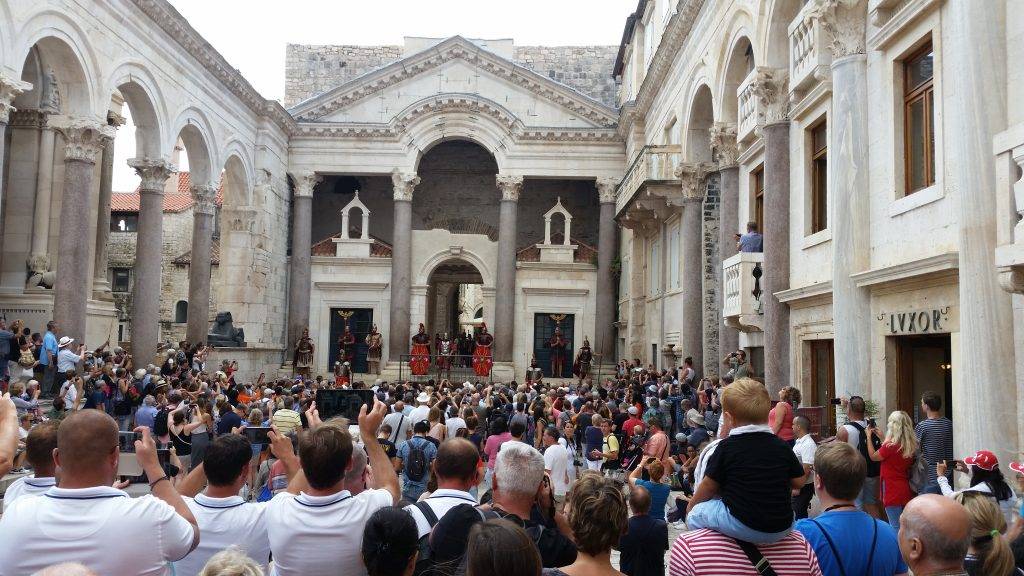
[252, 34]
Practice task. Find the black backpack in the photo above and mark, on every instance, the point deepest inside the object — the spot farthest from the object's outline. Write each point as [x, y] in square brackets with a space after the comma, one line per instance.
[874, 468]
[160, 423]
[424, 560]
[417, 464]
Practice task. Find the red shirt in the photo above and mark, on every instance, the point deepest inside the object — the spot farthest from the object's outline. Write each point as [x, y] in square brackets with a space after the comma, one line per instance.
[895, 475]
[628, 425]
[708, 553]
[786, 432]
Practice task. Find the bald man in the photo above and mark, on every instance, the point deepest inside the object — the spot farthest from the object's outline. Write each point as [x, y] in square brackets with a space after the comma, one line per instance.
[456, 472]
[85, 520]
[642, 548]
[934, 534]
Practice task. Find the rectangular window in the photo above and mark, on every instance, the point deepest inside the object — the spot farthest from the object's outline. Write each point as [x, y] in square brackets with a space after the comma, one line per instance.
[757, 182]
[919, 119]
[819, 176]
[124, 222]
[654, 267]
[120, 279]
[673, 257]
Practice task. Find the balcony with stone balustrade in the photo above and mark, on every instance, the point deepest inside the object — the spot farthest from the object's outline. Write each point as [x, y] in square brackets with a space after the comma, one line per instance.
[742, 279]
[750, 112]
[809, 53]
[651, 179]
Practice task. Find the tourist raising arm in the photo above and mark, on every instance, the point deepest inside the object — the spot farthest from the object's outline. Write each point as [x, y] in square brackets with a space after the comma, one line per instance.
[384, 476]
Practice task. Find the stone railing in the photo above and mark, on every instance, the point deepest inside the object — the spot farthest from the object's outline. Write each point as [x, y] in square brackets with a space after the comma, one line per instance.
[652, 164]
[1009, 149]
[749, 109]
[743, 281]
[809, 54]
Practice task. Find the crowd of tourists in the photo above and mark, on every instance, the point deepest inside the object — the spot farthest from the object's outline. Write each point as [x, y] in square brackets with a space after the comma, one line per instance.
[480, 478]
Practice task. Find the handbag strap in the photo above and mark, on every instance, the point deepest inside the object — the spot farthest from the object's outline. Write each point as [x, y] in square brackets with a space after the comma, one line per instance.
[756, 558]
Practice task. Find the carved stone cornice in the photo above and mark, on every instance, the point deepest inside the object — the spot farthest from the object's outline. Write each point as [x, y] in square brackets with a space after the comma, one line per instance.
[456, 48]
[845, 24]
[389, 133]
[771, 88]
[85, 139]
[305, 183]
[27, 118]
[510, 185]
[403, 183]
[175, 25]
[723, 143]
[204, 198]
[115, 120]
[153, 172]
[691, 176]
[606, 188]
[9, 90]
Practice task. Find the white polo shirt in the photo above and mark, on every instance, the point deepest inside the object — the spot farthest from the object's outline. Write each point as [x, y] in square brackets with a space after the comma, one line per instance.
[321, 535]
[27, 486]
[804, 450]
[441, 501]
[556, 462]
[101, 527]
[225, 522]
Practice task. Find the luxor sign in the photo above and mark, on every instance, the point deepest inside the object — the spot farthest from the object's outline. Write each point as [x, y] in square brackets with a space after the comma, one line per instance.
[928, 321]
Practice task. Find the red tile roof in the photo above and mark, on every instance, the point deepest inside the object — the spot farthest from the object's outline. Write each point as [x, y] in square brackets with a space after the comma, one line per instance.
[186, 258]
[585, 253]
[176, 202]
[326, 247]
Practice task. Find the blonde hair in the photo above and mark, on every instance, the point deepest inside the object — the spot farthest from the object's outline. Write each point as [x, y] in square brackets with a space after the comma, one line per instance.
[900, 431]
[656, 470]
[231, 562]
[988, 527]
[747, 400]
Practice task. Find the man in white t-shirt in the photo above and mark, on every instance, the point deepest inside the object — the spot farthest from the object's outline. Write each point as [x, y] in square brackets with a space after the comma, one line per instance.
[39, 447]
[223, 516]
[316, 528]
[86, 520]
[455, 422]
[805, 448]
[422, 409]
[456, 473]
[556, 464]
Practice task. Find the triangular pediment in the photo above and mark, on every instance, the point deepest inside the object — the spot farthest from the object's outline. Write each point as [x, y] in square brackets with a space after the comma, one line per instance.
[456, 69]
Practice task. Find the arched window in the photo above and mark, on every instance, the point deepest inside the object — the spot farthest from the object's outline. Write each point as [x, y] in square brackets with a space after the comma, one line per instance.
[181, 312]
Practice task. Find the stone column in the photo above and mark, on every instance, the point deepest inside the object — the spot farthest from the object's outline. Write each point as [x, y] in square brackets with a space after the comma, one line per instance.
[9, 89]
[604, 318]
[85, 139]
[984, 416]
[403, 184]
[690, 234]
[723, 143]
[772, 90]
[505, 289]
[145, 320]
[300, 275]
[849, 215]
[39, 252]
[203, 212]
[100, 284]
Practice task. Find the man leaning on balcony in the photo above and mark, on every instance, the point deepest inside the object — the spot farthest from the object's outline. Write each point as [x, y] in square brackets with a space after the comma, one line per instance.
[752, 241]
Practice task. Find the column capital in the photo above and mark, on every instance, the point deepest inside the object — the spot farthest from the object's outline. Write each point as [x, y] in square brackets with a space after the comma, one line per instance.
[403, 183]
[115, 120]
[85, 138]
[845, 23]
[691, 174]
[771, 88]
[723, 144]
[154, 173]
[606, 188]
[9, 90]
[204, 198]
[305, 182]
[27, 118]
[510, 185]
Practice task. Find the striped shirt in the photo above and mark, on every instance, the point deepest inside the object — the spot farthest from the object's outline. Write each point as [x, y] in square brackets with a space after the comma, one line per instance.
[708, 553]
[936, 438]
[287, 420]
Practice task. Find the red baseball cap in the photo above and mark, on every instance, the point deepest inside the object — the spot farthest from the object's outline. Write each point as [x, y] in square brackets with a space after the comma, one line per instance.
[983, 459]
[1017, 467]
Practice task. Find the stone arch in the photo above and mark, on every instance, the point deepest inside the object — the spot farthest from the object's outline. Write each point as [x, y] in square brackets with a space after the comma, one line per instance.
[61, 45]
[699, 118]
[739, 59]
[236, 177]
[466, 117]
[194, 130]
[145, 99]
[776, 16]
[346, 215]
[556, 210]
[426, 270]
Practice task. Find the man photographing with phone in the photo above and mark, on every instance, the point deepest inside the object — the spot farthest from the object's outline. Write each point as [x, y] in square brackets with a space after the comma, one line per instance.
[110, 532]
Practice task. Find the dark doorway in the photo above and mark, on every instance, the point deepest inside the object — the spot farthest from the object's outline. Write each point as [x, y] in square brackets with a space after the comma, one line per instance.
[543, 329]
[360, 320]
[823, 383]
[923, 364]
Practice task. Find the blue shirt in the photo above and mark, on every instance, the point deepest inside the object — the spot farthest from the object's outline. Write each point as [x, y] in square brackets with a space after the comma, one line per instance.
[659, 497]
[851, 533]
[49, 345]
[146, 416]
[593, 440]
[429, 450]
[752, 242]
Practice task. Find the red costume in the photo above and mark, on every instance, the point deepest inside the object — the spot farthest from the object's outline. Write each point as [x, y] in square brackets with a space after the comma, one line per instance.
[420, 361]
[482, 353]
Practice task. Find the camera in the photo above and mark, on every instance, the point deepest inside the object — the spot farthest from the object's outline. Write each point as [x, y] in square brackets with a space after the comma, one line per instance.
[871, 422]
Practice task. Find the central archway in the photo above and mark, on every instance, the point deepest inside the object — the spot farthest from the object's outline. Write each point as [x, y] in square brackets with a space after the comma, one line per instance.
[453, 294]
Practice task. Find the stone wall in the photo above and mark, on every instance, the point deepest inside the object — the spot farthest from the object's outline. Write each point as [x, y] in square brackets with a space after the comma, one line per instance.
[311, 69]
[712, 301]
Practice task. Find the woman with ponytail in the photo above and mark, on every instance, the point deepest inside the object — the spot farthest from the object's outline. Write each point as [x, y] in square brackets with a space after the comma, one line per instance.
[989, 552]
[390, 543]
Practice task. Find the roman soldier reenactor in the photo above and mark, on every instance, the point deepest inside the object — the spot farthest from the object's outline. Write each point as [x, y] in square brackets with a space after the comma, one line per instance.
[557, 344]
[302, 361]
[419, 363]
[374, 344]
[347, 346]
[584, 359]
[445, 351]
[482, 361]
